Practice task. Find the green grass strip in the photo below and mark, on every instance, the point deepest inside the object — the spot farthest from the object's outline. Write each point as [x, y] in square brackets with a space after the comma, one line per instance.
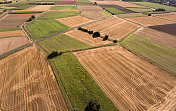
[114, 10]
[9, 29]
[64, 8]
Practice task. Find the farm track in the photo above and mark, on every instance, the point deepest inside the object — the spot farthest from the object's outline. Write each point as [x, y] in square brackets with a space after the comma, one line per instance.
[131, 83]
[27, 84]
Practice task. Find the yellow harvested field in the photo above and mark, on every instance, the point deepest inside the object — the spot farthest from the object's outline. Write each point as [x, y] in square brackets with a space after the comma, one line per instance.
[73, 21]
[168, 17]
[132, 83]
[126, 4]
[114, 27]
[27, 83]
[39, 8]
[7, 44]
[85, 37]
[131, 15]
[150, 21]
[92, 14]
[12, 33]
[89, 8]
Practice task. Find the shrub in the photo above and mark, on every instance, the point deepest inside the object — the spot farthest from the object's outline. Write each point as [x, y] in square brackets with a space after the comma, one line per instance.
[33, 17]
[79, 28]
[105, 38]
[96, 34]
[90, 32]
[53, 54]
[149, 14]
[115, 41]
[93, 106]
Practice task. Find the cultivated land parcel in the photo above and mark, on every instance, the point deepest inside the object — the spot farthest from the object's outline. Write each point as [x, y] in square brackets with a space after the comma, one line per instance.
[133, 69]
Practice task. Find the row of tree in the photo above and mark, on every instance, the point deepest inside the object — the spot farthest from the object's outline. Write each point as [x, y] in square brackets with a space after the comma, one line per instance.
[41, 3]
[5, 2]
[31, 18]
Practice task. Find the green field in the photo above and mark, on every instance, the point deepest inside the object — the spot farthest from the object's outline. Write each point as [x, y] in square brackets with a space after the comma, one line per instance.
[79, 85]
[9, 29]
[155, 5]
[105, 13]
[59, 14]
[82, 1]
[19, 5]
[64, 8]
[159, 54]
[62, 43]
[140, 10]
[41, 28]
[114, 10]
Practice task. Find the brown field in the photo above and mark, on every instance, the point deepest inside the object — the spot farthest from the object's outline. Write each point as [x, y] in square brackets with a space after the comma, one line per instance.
[92, 14]
[14, 20]
[168, 17]
[131, 15]
[62, 10]
[73, 21]
[7, 44]
[89, 8]
[27, 83]
[85, 37]
[39, 8]
[12, 33]
[102, 2]
[126, 4]
[115, 27]
[65, 3]
[158, 36]
[132, 83]
[150, 21]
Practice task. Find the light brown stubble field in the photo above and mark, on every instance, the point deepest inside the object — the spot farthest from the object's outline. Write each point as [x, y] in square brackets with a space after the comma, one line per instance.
[39, 8]
[27, 83]
[12, 33]
[132, 83]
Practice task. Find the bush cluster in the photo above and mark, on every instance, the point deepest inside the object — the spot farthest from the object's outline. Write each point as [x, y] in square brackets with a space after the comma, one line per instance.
[5, 2]
[41, 3]
[30, 19]
[159, 9]
[53, 54]
[93, 106]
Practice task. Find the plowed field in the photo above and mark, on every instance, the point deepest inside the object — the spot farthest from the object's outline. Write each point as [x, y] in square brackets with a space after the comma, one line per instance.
[89, 8]
[158, 36]
[85, 37]
[39, 8]
[27, 83]
[132, 83]
[73, 21]
[150, 21]
[12, 33]
[115, 27]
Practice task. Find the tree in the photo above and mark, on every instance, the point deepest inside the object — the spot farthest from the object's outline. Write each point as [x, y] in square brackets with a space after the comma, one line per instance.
[53, 54]
[79, 28]
[93, 106]
[115, 41]
[90, 32]
[96, 34]
[105, 38]
[33, 17]
[95, 3]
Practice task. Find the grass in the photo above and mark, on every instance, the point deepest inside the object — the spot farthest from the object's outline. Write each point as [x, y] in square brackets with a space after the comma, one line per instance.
[140, 10]
[105, 13]
[79, 85]
[41, 28]
[9, 29]
[82, 1]
[114, 10]
[64, 8]
[59, 14]
[161, 55]
[155, 5]
[22, 7]
[25, 12]
[62, 43]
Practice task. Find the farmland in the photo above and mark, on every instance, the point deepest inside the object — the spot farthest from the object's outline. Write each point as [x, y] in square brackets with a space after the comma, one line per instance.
[114, 10]
[64, 8]
[131, 15]
[42, 28]
[65, 3]
[73, 21]
[83, 1]
[85, 37]
[62, 43]
[12, 33]
[110, 26]
[129, 81]
[171, 17]
[150, 21]
[95, 14]
[126, 4]
[89, 8]
[140, 9]
[163, 56]
[28, 83]
[155, 5]
[39, 8]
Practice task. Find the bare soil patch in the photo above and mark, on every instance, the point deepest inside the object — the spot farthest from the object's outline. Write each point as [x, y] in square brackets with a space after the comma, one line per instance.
[114, 27]
[89, 8]
[73, 21]
[150, 21]
[126, 4]
[132, 83]
[168, 28]
[27, 83]
[14, 20]
[85, 37]
[39, 8]
[7, 44]
[12, 33]
[158, 36]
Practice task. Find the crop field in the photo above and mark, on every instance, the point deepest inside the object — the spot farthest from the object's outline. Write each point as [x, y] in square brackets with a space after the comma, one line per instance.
[168, 28]
[14, 20]
[79, 85]
[158, 36]
[12, 33]
[62, 43]
[95, 14]
[129, 81]
[58, 14]
[131, 15]
[140, 9]
[39, 8]
[155, 5]
[126, 4]
[171, 17]
[114, 27]
[73, 21]
[64, 8]
[150, 21]
[85, 37]
[162, 55]
[102, 2]
[89, 8]
[65, 2]
[117, 7]
[28, 83]
[42, 28]
[9, 43]
[114, 10]
[83, 1]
